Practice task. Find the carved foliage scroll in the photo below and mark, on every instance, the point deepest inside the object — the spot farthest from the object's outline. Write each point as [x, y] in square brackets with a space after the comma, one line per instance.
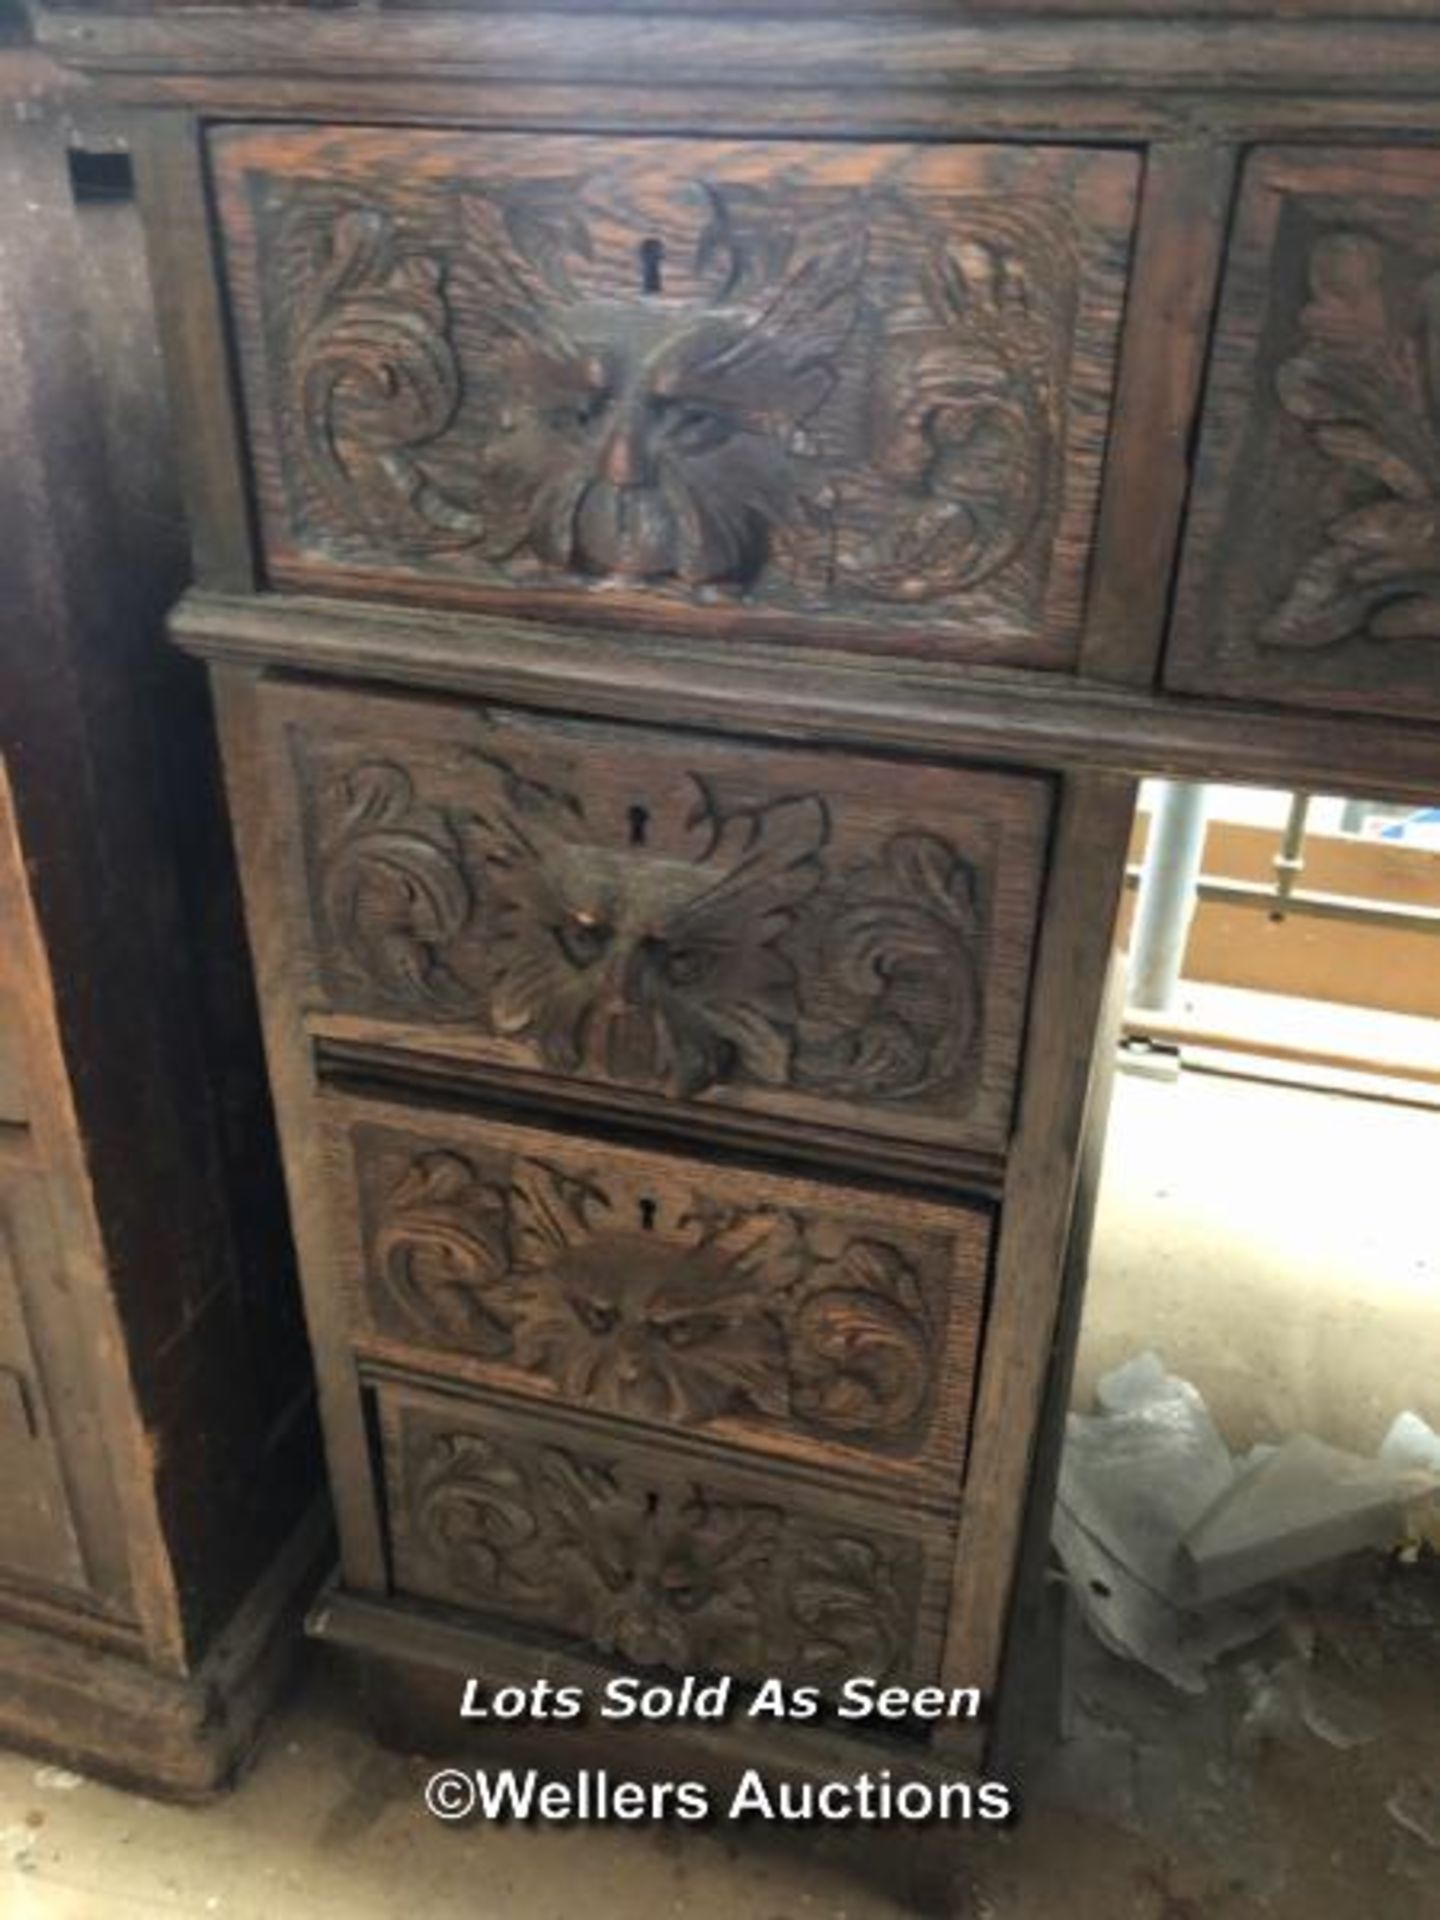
[661, 1571]
[680, 1310]
[747, 954]
[1365, 385]
[842, 383]
[1311, 572]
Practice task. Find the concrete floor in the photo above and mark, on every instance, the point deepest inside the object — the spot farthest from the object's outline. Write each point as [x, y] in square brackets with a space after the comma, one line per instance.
[1278, 1248]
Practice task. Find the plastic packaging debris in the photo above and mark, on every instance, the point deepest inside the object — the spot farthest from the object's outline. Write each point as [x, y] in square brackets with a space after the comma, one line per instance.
[1133, 1479]
[1415, 1806]
[1290, 1702]
[1337, 1716]
[1303, 1506]
[1174, 1548]
[1411, 1443]
[1140, 1473]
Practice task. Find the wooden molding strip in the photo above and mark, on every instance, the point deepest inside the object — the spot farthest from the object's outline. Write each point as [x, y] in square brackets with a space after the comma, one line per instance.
[1045, 719]
[861, 52]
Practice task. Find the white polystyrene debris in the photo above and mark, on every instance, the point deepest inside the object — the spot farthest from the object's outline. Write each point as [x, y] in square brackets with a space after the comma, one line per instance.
[1173, 1547]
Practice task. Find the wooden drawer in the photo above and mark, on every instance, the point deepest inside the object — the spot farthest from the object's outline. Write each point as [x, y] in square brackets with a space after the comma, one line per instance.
[833, 1325]
[799, 388]
[654, 1557]
[802, 936]
[1312, 565]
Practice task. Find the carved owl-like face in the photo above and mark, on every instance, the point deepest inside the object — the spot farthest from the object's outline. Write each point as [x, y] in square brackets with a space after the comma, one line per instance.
[677, 1579]
[641, 1325]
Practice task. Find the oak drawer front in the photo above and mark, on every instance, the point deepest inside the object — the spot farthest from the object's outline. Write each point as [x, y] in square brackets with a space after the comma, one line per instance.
[1312, 565]
[654, 1559]
[791, 388]
[811, 937]
[830, 1324]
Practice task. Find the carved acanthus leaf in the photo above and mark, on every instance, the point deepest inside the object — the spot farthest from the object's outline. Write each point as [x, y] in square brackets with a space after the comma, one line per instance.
[827, 388]
[659, 1572]
[737, 956]
[720, 1312]
[395, 892]
[372, 373]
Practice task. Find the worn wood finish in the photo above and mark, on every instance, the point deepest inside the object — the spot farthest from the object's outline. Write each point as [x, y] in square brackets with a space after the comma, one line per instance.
[420, 1658]
[655, 1558]
[813, 940]
[169, 163]
[184, 1737]
[261, 845]
[834, 1326]
[1312, 569]
[716, 813]
[837, 392]
[59, 1540]
[902, 705]
[870, 60]
[158, 1445]
[1086, 883]
[1183, 210]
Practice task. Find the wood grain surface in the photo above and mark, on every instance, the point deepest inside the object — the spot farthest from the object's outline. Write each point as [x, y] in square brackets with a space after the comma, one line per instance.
[1312, 565]
[840, 391]
[652, 1557]
[833, 1326]
[844, 942]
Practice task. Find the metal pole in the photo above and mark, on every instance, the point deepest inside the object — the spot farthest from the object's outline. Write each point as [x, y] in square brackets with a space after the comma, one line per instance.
[1290, 860]
[1166, 904]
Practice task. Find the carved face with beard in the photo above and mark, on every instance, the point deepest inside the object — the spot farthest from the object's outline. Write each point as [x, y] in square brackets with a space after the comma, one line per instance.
[636, 433]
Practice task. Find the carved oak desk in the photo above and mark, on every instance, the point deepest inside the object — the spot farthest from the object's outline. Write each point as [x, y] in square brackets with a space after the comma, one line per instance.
[699, 522]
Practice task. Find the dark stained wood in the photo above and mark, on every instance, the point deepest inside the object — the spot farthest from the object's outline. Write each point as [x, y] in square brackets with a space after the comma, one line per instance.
[835, 392]
[181, 1737]
[874, 55]
[65, 1395]
[655, 830]
[159, 1446]
[425, 1656]
[364, 1056]
[1086, 881]
[825, 942]
[656, 1558]
[764, 691]
[169, 162]
[1312, 566]
[1030, 1697]
[1183, 210]
[260, 843]
[834, 1326]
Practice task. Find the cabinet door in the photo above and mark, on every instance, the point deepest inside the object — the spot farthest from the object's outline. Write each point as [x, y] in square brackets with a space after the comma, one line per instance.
[1312, 562]
[814, 389]
[38, 1540]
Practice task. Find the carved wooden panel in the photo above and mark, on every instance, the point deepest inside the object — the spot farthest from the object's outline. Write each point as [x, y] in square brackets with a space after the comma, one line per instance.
[839, 940]
[38, 1537]
[1312, 567]
[779, 387]
[837, 1326]
[653, 1559]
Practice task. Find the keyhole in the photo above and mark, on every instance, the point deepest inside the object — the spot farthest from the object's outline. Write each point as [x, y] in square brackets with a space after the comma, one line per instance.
[639, 825]
[647, 1215]
[652, 260]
